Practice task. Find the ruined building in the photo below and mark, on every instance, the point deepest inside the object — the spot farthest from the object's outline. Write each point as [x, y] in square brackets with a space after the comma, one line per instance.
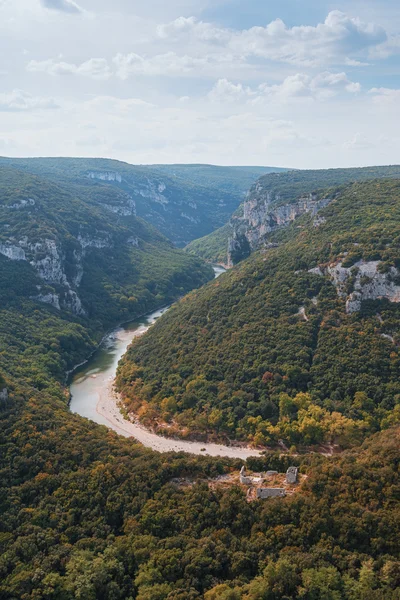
[263, 493]
[292, 475]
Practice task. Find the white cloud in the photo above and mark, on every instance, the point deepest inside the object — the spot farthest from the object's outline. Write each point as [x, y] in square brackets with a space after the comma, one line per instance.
[385, 96]
[279, 93]
[390, 48]
[63, 5]
[169, 64]
[320, 87]
[332, 41]
[96, 68]
[189, 25]
[18, 100]
[358, 142]
[226, 91]
[351, 62]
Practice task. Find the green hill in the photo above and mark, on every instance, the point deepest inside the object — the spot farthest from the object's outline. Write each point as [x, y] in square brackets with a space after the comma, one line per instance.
[299, 343]
[212, 247]
[94, 257]
[234, 180]
[70, 262]
[287, 187]
[274, 201]
[182, 202]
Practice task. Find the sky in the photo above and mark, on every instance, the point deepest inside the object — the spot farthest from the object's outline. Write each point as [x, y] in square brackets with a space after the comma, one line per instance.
[291, 83]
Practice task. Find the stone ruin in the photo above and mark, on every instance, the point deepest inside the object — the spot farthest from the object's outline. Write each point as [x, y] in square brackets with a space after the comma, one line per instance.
[243, 479]
[256, 483]
[292, 475]
[263, 493]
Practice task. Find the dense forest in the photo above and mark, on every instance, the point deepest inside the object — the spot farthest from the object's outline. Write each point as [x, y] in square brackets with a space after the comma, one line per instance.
[88, 515]
[269, 351]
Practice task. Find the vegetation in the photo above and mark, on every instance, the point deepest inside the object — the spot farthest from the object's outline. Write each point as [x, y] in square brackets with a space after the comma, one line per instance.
[212, 247]
[234, 180]
[87, 515]
[289, 186]
[267, 352]
[182, 203]
[282, 188]
[124, 266]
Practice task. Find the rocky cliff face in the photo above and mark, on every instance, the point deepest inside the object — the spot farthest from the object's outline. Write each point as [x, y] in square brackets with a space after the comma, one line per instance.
[60, 267]
[362, 281]
[262, 215]
[48, 258]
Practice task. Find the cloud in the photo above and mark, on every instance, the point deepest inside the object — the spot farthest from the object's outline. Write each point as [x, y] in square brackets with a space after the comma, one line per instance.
[385, 96]
[331, 41]
[321, 87]
[169, 64]
[20, 101]
[96, 68]
[189, 25]
[358, 142]
[63, 5]
[390, 48]
[351, 62]
[226, 91]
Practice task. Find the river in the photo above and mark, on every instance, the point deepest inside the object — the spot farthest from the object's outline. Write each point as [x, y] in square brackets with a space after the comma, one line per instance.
[92, 394]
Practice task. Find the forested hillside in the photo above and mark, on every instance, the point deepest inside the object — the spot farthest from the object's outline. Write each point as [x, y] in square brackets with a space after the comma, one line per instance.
[183, 203]
[274, 201]
[234, 180]
[300, 343]
[90, 259]
[287, 187]
[213, 247]
[88, 515]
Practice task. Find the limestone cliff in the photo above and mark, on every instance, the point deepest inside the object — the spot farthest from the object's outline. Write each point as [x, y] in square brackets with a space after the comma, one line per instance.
[55, 229]
[262, 215]
[362, 281]
[48, 258]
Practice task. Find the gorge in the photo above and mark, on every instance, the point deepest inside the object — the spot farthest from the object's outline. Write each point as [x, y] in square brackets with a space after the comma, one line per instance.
[93, 395]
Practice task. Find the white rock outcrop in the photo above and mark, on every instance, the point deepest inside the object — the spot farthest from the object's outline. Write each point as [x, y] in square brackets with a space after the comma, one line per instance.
[105, 176]
[50, 267]
[189, 218]
[262, 216]
[368, 282]
[12, 252]
[52, 299]
[21, 204]
[87, 241]
[126, 209]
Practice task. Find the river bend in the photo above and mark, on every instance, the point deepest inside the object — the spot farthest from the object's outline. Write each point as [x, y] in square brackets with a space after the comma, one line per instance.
[92, 394]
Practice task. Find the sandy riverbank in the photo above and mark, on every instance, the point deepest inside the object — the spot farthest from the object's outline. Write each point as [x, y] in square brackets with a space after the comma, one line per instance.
[107, 407]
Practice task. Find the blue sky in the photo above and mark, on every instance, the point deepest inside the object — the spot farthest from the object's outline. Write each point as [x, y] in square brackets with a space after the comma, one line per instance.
[300, 83]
